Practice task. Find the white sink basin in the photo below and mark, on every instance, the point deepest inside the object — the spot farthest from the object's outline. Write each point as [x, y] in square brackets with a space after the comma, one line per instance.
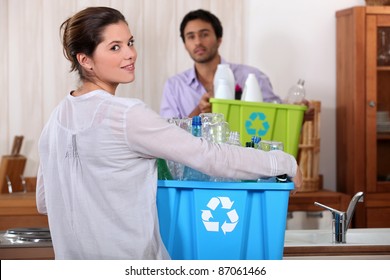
[354, 237]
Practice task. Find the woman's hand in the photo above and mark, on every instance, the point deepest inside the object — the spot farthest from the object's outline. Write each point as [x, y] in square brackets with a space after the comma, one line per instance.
[298, 180]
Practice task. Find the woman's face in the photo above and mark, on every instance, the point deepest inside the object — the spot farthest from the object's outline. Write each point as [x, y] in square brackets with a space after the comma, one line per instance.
[113, 61]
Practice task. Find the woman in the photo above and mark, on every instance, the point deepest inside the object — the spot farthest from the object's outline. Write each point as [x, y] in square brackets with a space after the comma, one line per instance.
[97, 179]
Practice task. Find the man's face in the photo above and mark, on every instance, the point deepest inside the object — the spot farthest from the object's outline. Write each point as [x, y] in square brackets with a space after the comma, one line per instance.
[200, 41]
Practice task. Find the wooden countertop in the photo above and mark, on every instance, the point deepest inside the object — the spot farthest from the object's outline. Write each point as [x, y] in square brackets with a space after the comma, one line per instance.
[24, 203]
[20, 210]
[18, 204]
[361, 250]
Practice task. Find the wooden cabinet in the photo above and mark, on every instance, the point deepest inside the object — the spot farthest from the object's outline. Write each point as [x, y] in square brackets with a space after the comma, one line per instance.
[304, 201]
[363, 106]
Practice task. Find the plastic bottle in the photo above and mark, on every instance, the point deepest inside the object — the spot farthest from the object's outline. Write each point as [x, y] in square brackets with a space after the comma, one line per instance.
[225, 73]
[250, 144]
[252, 91]
[190, 173]
[196, 126]
[256, 140]
[296, 93]
[223, 90]
[163, 171]
[270, 146]
[234, 138]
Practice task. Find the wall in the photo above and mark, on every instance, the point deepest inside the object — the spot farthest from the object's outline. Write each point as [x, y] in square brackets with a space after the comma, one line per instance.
[289, 40]
[286, 39]
[34, 75]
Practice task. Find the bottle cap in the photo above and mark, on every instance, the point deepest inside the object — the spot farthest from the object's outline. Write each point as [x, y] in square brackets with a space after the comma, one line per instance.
[249, 145]
[256, 139]
[196, 120]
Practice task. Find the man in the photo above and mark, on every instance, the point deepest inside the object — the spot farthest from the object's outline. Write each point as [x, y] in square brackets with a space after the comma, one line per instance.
[187, 94]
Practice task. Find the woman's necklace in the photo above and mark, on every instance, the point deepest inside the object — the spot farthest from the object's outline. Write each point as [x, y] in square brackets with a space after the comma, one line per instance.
[88, 87]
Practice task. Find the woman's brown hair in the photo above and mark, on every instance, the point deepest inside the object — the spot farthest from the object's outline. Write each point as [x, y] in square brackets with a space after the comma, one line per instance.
[82, 33]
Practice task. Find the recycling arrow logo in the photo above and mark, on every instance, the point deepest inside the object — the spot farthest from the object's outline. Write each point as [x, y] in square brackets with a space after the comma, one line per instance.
[257, 124]
[228, 221]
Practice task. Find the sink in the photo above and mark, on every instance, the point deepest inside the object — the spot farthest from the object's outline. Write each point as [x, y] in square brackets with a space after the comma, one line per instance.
[358, 236]
[362, 243]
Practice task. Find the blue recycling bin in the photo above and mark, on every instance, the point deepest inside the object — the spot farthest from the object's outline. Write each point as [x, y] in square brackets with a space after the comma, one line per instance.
[223, 220]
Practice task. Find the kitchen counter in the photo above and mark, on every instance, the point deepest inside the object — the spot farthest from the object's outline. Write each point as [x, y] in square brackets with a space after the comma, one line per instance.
[12, 247]
[299, 244]
[20, 210]
[362, 243]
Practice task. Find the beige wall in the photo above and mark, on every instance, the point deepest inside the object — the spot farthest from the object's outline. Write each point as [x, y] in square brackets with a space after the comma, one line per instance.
[35, 76]
[296, 39]
[286, 39]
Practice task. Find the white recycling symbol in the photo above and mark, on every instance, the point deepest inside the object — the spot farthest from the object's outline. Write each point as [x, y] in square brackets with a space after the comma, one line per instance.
[231, 216]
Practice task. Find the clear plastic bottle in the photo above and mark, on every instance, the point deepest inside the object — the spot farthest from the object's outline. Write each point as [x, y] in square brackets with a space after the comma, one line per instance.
[256, 141]
[197, 126]
[296, 93]
[190, 173]
[234, 138]
[269, 146]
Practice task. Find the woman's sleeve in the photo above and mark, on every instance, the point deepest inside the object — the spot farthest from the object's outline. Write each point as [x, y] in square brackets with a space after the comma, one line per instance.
[40, 193]
[153, 137]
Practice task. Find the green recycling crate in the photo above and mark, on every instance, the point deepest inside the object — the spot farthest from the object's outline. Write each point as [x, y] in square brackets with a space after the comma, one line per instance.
[269, 121]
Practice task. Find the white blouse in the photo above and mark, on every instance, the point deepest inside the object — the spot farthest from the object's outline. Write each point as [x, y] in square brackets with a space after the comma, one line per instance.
[97, 179]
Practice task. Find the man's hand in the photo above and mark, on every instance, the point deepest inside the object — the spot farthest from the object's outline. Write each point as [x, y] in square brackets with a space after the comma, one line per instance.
[204, 105]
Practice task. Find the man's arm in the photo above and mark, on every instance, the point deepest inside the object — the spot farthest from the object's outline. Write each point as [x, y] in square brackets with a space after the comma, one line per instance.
[204, 105]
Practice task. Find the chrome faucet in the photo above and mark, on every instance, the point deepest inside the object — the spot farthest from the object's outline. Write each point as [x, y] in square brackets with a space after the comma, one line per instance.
[342, 220]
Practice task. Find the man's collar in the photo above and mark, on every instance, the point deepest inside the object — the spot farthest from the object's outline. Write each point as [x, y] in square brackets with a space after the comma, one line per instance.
[191, 78]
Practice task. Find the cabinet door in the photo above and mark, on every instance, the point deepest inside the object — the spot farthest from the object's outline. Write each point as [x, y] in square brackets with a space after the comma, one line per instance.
[378, 102]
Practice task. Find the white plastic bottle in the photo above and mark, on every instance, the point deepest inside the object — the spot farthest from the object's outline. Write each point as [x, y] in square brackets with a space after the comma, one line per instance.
[296, 93]
[225, 73]
[223, 90]
[252, 91]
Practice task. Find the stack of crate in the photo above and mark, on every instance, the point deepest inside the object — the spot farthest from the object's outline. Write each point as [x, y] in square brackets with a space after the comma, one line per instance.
[309, 149]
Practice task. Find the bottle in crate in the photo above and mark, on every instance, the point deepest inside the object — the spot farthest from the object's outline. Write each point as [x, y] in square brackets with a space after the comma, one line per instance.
[297, 93]
[191, 174]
